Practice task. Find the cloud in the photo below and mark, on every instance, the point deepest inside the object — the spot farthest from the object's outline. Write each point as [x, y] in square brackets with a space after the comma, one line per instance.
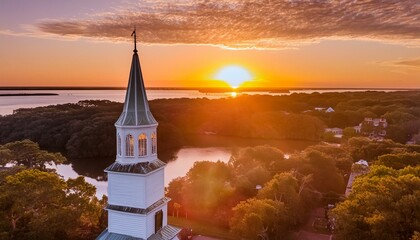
[249, 24]
[404, 66]
[408, 63]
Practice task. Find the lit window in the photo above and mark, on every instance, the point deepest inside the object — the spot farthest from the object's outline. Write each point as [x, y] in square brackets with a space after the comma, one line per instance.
[154, 143]
[142, 145]
[118, 145]
[129, 146]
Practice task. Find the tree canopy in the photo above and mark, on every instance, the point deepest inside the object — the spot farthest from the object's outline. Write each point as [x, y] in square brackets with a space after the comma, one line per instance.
[384, 204]
[41, 205]
[399, 161]
[28, 154]
[259, 219]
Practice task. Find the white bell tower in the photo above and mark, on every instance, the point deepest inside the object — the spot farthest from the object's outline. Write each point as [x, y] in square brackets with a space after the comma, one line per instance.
[137, 206]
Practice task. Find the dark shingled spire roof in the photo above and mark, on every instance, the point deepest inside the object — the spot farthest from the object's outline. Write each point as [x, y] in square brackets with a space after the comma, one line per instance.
[136, 108]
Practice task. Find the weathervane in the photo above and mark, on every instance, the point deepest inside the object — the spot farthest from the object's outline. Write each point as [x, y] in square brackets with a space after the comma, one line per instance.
[135, 40]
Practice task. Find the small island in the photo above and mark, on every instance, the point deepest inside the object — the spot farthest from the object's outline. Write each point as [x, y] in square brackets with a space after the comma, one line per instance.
[27, 94]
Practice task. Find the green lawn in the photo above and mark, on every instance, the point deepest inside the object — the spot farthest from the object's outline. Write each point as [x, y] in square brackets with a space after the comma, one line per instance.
[201, 228]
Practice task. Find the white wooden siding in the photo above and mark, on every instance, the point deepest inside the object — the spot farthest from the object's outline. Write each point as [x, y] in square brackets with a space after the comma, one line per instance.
[126, 190]
[127, 224]
[135, 190]
[155, 186]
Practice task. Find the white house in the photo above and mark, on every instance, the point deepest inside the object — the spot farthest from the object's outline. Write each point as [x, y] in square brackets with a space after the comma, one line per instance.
[374, 128]
[338, 132]
[322, 109]
[137, 206]
[329, 110]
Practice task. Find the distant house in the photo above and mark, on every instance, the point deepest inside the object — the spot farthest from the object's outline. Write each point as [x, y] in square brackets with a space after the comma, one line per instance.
[322, 109]
[329, 110]
[376, 122]
[338, 132]
[374, 128]
[358, 168]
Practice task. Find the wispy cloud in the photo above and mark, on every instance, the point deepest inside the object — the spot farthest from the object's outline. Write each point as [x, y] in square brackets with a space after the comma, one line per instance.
[404, 66]
[249, 24]
[408, 63]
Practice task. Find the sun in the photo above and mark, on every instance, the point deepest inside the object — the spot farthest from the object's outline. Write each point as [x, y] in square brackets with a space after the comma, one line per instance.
[234, 75]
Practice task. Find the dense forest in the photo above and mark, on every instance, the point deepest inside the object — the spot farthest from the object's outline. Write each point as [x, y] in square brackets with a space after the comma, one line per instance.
[259, 193]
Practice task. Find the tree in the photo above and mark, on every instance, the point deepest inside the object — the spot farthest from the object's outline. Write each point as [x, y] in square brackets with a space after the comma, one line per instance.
[349, 132]
[400, 161]
[268, 157]
[341, 156]
[384, 204]
[364, 148]
[284, 187]
[259, 218]
[326, 176]
[398, 117]
[41, 205]
[255, 166]
[208, 192]
[80, 197]
[28, 153]
[330, 137]
[174, 189]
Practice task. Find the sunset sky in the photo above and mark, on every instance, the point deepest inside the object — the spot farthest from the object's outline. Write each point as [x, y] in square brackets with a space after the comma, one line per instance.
[185, 43]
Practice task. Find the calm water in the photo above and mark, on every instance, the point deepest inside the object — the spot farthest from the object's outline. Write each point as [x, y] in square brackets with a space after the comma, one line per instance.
[178, 168]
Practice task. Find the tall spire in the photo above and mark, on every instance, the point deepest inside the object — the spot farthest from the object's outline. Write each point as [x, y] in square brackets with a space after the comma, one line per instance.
[136, 109]
[135, 40]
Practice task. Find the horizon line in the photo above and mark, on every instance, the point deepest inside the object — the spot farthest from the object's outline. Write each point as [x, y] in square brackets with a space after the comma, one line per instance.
[239, 89]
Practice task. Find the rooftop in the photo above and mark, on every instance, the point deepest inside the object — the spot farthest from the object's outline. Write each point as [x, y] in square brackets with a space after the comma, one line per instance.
[140, 168]
[136, 110]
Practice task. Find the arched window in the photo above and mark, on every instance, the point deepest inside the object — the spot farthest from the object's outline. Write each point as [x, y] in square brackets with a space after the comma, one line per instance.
[142, 145]
[118, 144]
[154, 143]
[129, 146]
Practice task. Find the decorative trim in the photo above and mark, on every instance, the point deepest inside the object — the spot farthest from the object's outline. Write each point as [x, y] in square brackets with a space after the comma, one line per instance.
[139, 168]
[141, 211]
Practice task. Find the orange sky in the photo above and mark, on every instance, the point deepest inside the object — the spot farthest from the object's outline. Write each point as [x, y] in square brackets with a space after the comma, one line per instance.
[30, 58]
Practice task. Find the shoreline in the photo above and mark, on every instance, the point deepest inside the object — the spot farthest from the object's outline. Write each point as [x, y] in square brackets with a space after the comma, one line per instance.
[204, 89]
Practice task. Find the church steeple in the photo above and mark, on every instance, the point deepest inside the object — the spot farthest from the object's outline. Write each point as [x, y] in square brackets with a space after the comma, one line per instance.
[137, 206]
[136, 110]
